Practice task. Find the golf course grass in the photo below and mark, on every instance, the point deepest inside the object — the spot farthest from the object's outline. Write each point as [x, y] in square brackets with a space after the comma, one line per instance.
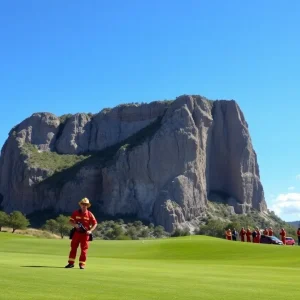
[196, 267]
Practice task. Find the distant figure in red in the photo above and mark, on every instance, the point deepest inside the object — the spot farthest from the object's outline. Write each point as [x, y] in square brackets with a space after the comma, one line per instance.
[256, 235]
[266, 231]
[270, 231]
[298, 233]
[242, 234]
[283, 235]
[228, 234]
[248, 234]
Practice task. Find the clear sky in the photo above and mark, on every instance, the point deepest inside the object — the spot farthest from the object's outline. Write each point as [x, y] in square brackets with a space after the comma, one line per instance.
[80, 56]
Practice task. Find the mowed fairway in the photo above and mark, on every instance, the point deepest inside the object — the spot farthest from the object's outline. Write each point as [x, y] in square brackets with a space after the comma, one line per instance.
[196, 267]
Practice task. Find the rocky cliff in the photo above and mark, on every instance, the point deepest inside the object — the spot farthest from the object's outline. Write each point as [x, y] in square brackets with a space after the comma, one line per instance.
[160, 162]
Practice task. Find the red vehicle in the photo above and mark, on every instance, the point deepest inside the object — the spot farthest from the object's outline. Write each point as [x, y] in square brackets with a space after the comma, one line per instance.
[289, 241]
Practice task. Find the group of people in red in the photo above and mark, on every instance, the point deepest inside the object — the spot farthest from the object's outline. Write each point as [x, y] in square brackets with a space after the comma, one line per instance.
[246, 235]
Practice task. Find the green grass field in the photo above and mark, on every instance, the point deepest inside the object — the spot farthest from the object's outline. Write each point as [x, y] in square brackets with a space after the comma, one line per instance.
[196, 267]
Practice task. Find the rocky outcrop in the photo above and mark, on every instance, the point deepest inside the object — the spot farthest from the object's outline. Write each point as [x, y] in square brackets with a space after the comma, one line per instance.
[233, 168]
[160, 162]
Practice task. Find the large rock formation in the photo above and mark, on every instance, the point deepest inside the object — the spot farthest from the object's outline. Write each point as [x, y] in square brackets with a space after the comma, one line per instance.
[160, 162]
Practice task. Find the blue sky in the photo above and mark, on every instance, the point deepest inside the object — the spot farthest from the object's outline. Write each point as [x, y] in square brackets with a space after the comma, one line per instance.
[81, 56]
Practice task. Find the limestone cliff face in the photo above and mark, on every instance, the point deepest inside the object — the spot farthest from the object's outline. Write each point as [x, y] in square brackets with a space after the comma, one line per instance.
[160, 161]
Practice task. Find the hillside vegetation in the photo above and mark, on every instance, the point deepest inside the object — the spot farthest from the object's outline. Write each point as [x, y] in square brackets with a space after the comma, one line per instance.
[49, 160]
[220, 217]
[63, 167]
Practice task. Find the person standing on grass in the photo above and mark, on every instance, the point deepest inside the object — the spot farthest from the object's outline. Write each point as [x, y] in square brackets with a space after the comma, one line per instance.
[254, 236]
[270, 231]
[298, 233]
[81, 236]
[248, 234]
[234, 234]
[228, 234]
[242, 234]
[258, 234]
[283, 235]
[266, 231]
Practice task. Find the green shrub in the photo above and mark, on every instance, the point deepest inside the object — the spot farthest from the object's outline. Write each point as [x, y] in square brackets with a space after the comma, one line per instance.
[215, 228]
[180, 232]
[17, 220]
[4, 219]
[49, 160]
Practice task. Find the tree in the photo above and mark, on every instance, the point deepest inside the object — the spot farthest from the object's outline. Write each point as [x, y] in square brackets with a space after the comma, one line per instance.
[63, 225]
[17, 221]
[180, 232]
[144, 232]
[215, 228]
[3, 219]
[120, 221]
[132, 232]
[234, 224]
[51, 225]
[114, 232]
[138, 225]
[158, 231]
[117, 231]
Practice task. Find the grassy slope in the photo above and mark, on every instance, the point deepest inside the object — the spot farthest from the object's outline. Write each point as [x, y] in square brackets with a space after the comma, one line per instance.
[51, 161]
[194, 267]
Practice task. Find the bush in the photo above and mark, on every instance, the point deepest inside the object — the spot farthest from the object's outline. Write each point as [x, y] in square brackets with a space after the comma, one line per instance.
[17, 220]
[132, 232]
[144, 233]
[180, 232]
[159, 231]
[4, 219]
[215, 228]
[51, 225]
[60, 225]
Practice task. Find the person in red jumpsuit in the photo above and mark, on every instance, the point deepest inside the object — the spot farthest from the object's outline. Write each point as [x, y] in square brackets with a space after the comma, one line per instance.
[283, 235]
[248, 235]
[81, 237]
[257, 237]
[270, 231]
[228, 235]
[298, 234]
[242, 234]
[266, 231]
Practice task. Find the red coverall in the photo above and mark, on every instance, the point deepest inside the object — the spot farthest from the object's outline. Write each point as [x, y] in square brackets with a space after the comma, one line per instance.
[248, 234]
[283, 235]
[242, 234]
[87, 219]
[228, 234]
[270, 232]
[266, 232]
[257, 238]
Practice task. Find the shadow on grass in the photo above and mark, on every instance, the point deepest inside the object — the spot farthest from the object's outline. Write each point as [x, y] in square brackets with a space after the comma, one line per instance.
[42, 267]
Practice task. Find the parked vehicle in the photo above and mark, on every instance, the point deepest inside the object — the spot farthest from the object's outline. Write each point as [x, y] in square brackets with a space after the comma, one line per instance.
[266, 239]
[289, 241]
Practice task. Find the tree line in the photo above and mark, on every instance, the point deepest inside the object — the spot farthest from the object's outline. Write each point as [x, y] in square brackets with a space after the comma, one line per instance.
[107, 230]
[119, 230]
